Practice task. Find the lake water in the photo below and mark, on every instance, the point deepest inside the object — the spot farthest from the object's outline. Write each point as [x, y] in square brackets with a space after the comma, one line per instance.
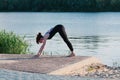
[92, 34]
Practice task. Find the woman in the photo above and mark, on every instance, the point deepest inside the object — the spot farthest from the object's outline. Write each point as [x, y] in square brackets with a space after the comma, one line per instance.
[49, 34]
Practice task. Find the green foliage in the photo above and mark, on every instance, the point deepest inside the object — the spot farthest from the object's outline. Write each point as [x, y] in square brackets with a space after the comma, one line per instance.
[12, 44]
[59, 5]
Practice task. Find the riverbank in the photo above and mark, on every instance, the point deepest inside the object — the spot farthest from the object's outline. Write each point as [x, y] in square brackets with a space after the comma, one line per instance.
[79, 66]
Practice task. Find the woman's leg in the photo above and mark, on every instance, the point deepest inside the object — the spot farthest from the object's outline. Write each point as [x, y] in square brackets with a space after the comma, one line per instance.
[61, 30]
[63, 34]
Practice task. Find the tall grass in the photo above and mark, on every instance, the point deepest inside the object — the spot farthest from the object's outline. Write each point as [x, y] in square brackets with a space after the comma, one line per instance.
[12, 43]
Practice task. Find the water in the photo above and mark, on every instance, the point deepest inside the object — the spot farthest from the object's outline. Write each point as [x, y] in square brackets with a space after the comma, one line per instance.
[92, 34]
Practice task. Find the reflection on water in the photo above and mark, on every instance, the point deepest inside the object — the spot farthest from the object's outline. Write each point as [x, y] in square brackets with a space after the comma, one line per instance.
[103, 47]
[89, 42]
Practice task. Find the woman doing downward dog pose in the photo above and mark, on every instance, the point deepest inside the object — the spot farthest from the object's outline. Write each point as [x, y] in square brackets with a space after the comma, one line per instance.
[49, 34]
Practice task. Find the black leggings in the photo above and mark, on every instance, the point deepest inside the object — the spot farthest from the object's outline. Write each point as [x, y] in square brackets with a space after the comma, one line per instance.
[61, 30]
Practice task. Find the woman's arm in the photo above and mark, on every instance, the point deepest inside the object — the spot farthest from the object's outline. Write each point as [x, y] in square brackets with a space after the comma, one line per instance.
[43, 45]
[41, 48]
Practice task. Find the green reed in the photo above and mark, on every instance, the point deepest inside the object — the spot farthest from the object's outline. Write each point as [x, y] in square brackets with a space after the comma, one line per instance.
[12, 44]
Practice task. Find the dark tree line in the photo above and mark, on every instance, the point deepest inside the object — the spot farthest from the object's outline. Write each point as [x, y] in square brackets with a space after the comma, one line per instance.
[60, 5]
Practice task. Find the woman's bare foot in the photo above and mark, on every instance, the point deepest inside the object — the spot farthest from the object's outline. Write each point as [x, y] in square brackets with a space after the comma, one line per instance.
[71, 55]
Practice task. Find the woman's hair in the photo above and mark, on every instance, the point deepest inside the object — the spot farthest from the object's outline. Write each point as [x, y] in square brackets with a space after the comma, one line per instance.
[39, 35]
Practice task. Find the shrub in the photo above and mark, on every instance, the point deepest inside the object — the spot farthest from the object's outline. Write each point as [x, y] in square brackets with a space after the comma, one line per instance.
[12, 43]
